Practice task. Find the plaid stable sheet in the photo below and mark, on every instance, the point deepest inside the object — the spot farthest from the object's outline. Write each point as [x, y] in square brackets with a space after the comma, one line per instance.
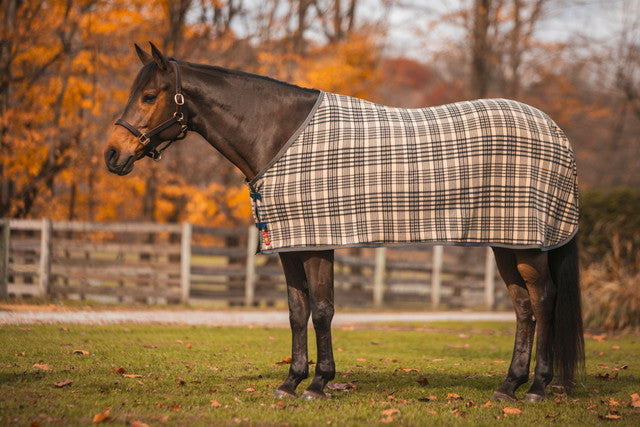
[487, 172]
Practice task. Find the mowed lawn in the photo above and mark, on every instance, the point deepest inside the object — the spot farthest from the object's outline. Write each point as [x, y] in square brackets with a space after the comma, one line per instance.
[441, 373]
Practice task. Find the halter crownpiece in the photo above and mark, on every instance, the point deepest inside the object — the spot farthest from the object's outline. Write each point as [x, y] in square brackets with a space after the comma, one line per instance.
[150, 141]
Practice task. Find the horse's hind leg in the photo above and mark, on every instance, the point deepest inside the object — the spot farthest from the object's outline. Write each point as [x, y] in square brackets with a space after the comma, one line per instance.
[518, 373]
[533, 266]
[299, 310]
[318, 267]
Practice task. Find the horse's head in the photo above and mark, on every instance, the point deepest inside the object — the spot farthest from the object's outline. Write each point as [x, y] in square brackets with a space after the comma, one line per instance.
[153, 115]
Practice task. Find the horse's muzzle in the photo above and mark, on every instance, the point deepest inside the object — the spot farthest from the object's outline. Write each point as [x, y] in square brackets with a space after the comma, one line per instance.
[112, 160]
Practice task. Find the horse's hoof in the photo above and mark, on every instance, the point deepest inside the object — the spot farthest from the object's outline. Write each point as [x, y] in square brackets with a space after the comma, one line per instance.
[502, 397]
[282, 394]
[313, 395]
[534, 398]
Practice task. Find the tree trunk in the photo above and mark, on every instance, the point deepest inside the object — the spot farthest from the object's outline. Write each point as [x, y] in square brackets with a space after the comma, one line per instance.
[480, 49]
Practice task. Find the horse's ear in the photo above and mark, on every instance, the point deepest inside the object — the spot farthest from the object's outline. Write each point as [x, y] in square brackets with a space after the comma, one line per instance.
[158, 57]
[144, 56]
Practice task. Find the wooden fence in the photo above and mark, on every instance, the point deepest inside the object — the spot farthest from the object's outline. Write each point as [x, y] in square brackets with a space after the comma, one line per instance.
[154, 262]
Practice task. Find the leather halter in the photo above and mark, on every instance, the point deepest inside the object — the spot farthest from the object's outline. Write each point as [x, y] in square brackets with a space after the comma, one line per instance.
[151, 140]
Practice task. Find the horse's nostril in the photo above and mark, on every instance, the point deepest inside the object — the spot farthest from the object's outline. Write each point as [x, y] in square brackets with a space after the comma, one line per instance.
[111, 155]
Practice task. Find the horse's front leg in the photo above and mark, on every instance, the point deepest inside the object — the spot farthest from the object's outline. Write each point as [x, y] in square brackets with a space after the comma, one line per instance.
[299, 310]
[318, 267]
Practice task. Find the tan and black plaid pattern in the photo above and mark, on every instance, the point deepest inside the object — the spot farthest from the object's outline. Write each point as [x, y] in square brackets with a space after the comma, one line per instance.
[486, 172]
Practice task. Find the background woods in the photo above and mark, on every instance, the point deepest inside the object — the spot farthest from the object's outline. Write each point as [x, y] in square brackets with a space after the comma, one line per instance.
[67, 65]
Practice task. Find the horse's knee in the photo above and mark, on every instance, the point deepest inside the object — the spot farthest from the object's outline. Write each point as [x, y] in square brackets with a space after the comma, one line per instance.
[323, 314]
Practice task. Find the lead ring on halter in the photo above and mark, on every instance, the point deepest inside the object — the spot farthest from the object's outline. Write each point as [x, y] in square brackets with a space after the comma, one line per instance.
[150, 141]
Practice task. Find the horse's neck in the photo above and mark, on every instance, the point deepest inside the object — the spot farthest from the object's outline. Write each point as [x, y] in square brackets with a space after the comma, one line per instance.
[245, 117]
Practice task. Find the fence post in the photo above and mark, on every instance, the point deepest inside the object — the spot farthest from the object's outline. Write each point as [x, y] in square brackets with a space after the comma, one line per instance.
[489, 280]
[436, 278]
[250, 275]
[45, 257]
[4, 258]
[378, 276]
[185, 261]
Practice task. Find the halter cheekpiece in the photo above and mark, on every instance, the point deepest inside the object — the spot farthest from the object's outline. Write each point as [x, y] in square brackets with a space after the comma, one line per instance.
[151, 140]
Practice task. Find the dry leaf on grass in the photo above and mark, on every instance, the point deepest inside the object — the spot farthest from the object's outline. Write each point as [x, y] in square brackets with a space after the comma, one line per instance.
[284, 361]
[388, 415]
[41, 366]
[61, 384]
[635, 400]
[102, 416]
[511, 411]
[82, 352]
[341, 386]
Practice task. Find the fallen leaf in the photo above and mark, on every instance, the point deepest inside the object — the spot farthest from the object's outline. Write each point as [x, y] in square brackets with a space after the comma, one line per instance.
[83, 352]
[607, 376]
[61, 384]
[511, 411]
[615, 347]
[42, 366]
[600, 338]
[139, 424]
[613, 415]
[102, 416]
[388, 415]
[454, 396]
[250, 389]
[405, 369]
[131, 376]
[612, 402]
[215, 404]
[635, 400]
[189, 345]
[603, 366]
[341, 386]
[284, 361]
[423, 380]
[359, 359]
[488, 404]
[121, 370]
[339, 349]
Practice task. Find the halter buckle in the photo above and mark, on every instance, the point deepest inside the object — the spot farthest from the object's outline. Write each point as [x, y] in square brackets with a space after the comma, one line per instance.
[178, 98]
[144, 139]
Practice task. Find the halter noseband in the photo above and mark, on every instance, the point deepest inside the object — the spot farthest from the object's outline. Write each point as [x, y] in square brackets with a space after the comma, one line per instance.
[150, 141]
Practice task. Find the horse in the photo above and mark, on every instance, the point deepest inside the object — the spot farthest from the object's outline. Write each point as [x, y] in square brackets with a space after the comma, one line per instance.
[249, 119]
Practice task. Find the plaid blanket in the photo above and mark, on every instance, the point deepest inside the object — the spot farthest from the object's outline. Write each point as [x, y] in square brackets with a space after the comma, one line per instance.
[487, 172]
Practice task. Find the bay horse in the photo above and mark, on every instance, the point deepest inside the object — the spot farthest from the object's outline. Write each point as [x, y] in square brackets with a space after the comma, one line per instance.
[248, 119]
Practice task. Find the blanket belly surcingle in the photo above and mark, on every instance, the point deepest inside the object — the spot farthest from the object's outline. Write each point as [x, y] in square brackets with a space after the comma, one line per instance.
[486, 172]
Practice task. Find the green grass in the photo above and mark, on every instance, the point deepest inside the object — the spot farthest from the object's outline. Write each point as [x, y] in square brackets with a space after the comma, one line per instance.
[176, 373]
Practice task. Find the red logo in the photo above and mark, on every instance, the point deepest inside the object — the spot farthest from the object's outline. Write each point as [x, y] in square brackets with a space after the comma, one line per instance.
[265, 237]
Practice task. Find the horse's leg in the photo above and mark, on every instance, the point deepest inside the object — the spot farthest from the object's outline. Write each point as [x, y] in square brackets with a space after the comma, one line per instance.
[298, 298]
[318, 267]
[533, 266]
[518, 373]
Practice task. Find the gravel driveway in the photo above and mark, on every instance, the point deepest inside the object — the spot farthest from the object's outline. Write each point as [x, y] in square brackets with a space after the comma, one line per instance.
[10, 316]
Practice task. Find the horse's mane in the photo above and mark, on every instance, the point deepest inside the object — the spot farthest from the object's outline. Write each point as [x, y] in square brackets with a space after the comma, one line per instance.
[239, 74]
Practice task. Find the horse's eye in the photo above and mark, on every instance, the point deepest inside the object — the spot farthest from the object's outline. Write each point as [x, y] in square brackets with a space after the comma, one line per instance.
[149, 98]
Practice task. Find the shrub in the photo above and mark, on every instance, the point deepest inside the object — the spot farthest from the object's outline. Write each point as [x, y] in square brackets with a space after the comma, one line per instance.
[610, 255]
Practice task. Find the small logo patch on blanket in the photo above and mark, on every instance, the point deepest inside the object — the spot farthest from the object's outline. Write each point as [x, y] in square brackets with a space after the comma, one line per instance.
[485, 172]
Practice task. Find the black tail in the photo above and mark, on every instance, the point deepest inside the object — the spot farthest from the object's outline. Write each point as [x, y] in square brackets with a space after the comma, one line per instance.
[568, 338]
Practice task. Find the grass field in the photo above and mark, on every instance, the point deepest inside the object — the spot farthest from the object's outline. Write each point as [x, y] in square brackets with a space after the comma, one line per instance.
[405, 374]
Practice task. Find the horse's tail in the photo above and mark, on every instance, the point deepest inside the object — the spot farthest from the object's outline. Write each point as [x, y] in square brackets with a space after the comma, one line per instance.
[568, 338]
